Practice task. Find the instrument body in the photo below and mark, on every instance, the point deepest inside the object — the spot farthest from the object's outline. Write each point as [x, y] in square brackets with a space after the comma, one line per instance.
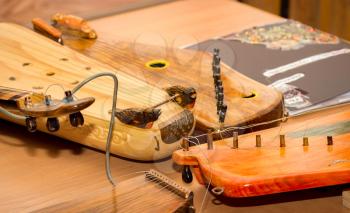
[248, 101]
[32, 62]
[314, 153]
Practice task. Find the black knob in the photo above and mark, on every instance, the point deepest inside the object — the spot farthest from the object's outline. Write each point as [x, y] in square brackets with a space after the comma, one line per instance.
[31, 124]
[76, 119]
[187, 174]
[52, 124]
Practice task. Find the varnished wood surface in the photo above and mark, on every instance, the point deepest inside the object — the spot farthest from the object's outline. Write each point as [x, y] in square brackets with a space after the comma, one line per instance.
[181, 23]
[39, 171]
[40, 167]
[21, 46]
[190, 68]
[21, 12]
[254, 171]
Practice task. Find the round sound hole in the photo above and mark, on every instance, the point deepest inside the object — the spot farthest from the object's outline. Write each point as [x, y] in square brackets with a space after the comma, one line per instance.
[251, 95]
[157, 64]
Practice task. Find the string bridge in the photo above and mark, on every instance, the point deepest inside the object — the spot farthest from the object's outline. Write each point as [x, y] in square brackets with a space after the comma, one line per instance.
[167, 183]
[184, 96]
[138, 117]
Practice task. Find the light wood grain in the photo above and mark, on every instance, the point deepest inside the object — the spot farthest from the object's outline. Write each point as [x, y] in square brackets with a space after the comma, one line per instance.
[22, 12]
[19, 45]
[190, 68]
[254, 171]
[182, 23]
[37, 168]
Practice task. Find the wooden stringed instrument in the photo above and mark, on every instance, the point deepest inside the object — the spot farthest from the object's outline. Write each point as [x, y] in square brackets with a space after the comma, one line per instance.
[149, 124]
[139, 193]
[33, 62]
[247, 101]
[307, 151]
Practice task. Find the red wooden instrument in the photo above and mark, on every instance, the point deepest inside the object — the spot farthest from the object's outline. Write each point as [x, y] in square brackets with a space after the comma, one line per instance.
[308, 151]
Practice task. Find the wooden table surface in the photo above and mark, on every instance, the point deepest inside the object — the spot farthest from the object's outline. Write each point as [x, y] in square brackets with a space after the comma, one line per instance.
[40, 170]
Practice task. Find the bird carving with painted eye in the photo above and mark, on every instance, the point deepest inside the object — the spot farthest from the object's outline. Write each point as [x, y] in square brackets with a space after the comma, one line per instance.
[142, 118]
[186, 95]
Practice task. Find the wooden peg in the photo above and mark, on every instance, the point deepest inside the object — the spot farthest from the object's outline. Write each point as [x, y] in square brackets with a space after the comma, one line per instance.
[46, 29]
[210, 140]
[235, 140]
[258, 140]
[282, 141]
[329, 140]
[186, 144]
[305, 141]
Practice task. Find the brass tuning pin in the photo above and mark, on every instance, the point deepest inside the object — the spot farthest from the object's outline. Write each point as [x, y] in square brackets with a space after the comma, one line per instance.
[258, 140]
[235, 140]
[305, 141]
[282, 141]
[329, 140]
[210, 140]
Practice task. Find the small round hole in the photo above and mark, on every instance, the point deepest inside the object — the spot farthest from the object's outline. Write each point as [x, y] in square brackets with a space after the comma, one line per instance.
[26, 64]
[88, 68]
[64, 59]
[38, 87]
[157, 64]
[251, 95]
[50, 73]
[12, 78]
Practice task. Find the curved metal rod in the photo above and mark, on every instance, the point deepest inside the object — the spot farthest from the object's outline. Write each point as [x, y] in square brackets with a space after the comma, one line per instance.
[112, 121]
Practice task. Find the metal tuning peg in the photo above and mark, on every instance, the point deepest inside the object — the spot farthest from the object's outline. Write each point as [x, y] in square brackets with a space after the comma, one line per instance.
[222, 113]
[31, 124]
[76, 119]
[216, 57]
[52, 124]
[187, 176]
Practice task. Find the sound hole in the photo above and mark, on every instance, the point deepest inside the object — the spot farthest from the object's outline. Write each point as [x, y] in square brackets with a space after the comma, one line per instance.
[252, 95]
[157, 64]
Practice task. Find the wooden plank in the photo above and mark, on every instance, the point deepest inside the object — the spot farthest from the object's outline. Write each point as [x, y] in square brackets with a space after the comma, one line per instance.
[327, 15]
[200, 20]
[346, 198]
[22, 12]
[271, 6]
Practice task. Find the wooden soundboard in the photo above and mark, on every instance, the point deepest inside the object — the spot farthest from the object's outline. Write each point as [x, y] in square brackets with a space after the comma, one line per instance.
[32, 62]
[314, 153]
[29, 66]
[248, 101]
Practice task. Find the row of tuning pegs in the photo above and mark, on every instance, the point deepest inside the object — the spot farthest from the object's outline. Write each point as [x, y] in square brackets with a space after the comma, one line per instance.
[221, 107]
[52, 124]
[282, 139]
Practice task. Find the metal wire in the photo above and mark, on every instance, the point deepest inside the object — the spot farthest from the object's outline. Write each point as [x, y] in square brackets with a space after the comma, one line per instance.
[112, 121]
